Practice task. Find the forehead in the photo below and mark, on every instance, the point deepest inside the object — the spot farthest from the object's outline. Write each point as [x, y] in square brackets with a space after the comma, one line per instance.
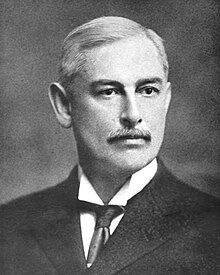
[125, 61]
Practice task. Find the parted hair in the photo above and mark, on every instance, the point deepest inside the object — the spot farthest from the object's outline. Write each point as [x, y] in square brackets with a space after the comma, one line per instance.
[98, 32]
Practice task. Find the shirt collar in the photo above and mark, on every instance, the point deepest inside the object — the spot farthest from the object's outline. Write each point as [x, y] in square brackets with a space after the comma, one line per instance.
[133, 186]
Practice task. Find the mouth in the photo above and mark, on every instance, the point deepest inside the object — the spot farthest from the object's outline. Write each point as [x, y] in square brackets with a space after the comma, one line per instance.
[130, 138]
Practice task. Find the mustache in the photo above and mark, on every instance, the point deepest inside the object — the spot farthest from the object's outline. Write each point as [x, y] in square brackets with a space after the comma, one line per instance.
[129, 134]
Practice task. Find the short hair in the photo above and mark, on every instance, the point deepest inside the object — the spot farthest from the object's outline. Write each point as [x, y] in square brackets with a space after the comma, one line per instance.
[98, 32]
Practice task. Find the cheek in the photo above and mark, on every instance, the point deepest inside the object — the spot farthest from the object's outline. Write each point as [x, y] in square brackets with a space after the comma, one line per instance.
[155, 115]
[92, 123]
[83, 112]
[90, 110]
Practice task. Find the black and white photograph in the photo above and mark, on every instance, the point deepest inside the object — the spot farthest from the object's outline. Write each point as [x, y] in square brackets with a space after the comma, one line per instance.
[109, 137]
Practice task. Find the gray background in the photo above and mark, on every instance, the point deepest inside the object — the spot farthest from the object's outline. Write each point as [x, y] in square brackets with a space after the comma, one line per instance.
[36, 152]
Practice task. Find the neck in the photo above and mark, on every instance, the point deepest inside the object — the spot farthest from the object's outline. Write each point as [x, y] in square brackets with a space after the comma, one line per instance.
[106, 181]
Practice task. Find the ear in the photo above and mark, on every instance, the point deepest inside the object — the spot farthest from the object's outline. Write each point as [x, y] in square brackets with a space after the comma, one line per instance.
[61, 104]
[168, 96]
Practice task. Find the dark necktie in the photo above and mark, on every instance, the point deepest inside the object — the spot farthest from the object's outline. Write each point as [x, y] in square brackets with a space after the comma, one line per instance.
[104, 216]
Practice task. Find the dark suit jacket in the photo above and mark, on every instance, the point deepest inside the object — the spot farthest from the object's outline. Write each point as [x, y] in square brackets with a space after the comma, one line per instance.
[168, 228]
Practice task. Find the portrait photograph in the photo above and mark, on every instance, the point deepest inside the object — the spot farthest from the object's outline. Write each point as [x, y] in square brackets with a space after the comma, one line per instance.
[109, 137]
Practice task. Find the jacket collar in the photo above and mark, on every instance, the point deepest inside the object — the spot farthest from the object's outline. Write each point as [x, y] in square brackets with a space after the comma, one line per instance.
[146, 225]
[151, 218]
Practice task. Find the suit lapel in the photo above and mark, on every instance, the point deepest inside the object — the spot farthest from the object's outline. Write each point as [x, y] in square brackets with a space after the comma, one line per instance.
[131, 239]
[58, 231]
[151, 219]
[146, 225]
[62, 244]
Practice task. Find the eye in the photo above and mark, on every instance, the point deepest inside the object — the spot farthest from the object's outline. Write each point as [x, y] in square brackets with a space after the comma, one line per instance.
[148, 91]
[108, 92]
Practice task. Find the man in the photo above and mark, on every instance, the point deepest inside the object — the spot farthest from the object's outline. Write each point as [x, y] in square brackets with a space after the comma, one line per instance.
[114, 92]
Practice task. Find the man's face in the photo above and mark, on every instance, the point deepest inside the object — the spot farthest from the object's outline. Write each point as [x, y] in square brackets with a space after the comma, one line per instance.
[119, 105]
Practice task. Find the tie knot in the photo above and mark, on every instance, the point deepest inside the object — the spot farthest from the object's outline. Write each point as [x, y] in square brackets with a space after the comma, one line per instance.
[105, 213]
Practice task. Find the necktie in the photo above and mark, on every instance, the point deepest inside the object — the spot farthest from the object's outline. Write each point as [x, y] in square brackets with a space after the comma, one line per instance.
[104, 216]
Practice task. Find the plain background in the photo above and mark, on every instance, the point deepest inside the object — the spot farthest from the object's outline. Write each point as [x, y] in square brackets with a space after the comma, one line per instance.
[36, 152]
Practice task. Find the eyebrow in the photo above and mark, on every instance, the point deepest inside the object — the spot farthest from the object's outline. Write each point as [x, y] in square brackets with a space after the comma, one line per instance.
[140, 82]
[151, 80]
[103, 82]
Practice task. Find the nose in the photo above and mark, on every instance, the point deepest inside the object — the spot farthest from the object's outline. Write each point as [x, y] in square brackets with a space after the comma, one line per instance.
[130, 115]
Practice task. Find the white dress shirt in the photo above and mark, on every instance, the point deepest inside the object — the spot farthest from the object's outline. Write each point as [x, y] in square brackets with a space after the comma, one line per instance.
[87, 193]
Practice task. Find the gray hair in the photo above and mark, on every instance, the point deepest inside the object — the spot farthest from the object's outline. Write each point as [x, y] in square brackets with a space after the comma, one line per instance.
[98, 32]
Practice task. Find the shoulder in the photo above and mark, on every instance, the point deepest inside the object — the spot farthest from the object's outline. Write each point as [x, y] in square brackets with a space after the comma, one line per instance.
[184, 204]
[30, 208]
[190, 213]
[180, 195]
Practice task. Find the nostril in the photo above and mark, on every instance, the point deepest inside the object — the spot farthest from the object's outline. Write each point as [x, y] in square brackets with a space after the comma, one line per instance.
[126, 122]
[130, 122]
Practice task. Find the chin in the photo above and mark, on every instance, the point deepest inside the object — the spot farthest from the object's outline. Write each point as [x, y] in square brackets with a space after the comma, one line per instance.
[132, 165]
